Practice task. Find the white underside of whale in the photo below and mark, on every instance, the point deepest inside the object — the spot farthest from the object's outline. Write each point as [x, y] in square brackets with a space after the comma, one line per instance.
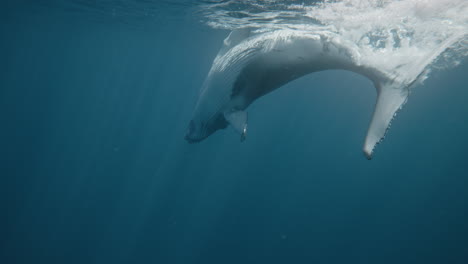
[251, 65]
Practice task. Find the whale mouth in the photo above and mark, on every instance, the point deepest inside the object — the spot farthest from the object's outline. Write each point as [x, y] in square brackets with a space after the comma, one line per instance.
[192, 136]
[198, 131]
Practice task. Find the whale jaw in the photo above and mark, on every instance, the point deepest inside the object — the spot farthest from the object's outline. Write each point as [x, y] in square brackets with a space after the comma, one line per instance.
[197, 131]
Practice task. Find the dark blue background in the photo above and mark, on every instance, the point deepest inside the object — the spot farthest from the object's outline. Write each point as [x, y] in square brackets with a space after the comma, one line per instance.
[94, 168]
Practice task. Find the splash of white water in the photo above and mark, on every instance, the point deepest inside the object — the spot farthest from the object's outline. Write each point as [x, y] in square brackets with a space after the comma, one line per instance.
[404, 39]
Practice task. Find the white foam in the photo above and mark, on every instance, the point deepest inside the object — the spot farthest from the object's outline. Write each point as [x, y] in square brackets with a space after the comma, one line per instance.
[404, 39]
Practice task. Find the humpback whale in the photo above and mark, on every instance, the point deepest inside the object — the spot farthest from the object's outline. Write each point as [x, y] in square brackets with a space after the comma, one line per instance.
[250, 65]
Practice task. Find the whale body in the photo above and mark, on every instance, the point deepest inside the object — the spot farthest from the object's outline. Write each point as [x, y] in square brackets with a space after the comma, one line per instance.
[249, 66]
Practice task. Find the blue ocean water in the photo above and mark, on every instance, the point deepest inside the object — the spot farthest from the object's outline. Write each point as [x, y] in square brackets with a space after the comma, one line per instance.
[95, 98]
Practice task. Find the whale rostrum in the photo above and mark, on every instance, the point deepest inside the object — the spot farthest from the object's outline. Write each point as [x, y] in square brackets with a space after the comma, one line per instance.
[249, 66]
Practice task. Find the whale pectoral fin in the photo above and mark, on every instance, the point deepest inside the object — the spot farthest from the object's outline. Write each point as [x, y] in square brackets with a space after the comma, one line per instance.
[389, 100]
[234, 38]
[238, 120]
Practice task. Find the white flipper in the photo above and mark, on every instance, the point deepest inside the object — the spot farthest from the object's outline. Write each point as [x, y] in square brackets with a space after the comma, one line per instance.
[234, 38]
[238, 120]
[390, 99]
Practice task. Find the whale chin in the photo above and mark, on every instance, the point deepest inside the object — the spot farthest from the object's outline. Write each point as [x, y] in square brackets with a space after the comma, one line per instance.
[198, 131]
[193, 134]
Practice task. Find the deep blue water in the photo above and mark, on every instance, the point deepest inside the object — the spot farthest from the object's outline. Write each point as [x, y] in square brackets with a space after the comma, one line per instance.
[94, 168]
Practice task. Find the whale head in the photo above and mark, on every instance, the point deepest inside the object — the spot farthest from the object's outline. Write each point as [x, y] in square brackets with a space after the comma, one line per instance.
[199, 129]
[217, 106]
[208, 116]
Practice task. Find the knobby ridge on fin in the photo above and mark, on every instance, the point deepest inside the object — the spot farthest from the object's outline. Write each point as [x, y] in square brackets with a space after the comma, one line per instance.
[238, 120]
[390, 99]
